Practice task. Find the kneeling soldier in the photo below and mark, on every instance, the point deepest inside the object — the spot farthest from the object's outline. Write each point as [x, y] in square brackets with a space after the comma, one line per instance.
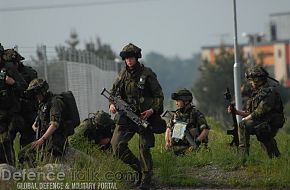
[52, 140]
[187, 128]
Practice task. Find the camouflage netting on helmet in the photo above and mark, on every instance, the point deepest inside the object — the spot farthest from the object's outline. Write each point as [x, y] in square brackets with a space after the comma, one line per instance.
[102, 118]
[256, 73]
[37, 86]
[10, 55]
[182, 94]
[130, 50]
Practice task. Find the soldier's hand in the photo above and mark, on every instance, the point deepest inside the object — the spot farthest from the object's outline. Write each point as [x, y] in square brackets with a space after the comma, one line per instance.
[37, 144]
[112, 108]
[9, 80]
[34, 127]
[168, 146]
[231, 109]
[146, 114]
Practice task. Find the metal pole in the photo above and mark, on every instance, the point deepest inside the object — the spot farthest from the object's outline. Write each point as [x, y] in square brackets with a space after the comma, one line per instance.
[43, 47]
[237, 66]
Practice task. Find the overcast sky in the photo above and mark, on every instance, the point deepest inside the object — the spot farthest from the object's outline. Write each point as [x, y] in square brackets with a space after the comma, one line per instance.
[169, 27]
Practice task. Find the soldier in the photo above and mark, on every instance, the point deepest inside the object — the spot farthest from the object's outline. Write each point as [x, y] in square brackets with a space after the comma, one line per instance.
[12, 86]
[139, 87]
[189, 117]
[100, 129]
[28, 106]
[264, 115]
[52, 140]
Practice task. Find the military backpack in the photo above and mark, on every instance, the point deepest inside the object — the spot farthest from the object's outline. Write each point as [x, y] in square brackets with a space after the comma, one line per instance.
[71, 114]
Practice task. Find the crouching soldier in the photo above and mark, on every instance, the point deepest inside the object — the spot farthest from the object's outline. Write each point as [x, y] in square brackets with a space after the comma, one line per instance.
[264, 114]
[187, 127]
[99, 129]
[51, 140]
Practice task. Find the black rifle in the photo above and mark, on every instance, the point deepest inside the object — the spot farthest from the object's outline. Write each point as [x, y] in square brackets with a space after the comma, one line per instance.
[187, 134]
[123, 106]
[234, 131]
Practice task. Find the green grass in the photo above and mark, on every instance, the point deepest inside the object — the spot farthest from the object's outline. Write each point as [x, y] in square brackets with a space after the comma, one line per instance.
[219, 166]
[222, 165]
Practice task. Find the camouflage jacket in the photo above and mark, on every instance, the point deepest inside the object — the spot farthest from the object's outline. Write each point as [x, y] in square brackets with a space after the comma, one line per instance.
[265, 103]
[51, 110]
[189, 114]
[140, 88]
[9, 98]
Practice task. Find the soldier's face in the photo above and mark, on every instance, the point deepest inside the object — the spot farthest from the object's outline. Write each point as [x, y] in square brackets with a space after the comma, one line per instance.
[255, 85]
[130, 62]
[179, 104]
[39, 98]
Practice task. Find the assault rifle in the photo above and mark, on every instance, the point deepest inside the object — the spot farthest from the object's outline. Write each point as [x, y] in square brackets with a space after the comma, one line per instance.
[187, 134]
[234, 131]
[124, 107]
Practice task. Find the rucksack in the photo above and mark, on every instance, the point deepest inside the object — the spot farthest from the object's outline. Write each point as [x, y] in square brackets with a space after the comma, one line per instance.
[71, 113]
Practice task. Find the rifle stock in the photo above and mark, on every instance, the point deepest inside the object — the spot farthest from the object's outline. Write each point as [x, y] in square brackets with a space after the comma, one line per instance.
[234, 131]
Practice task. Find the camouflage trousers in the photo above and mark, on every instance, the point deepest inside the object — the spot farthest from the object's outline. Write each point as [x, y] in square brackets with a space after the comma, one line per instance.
[265, 135]
[7, 153]
[7, 123]
[122, 135]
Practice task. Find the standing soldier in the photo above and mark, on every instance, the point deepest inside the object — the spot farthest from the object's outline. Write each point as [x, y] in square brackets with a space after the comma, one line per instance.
[191, 119]
[264, 115]
[49, 122]
[28, 106]
[139, 87]
[12, 86]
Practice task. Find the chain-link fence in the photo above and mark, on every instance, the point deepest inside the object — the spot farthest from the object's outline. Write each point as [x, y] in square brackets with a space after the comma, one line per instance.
[85, 76]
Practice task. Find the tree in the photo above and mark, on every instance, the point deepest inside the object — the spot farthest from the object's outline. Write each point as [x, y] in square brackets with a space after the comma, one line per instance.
[101, 50]
[212, 84]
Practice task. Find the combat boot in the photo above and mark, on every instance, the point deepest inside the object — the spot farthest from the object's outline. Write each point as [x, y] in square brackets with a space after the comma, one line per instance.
[138, 179]
[146, 180]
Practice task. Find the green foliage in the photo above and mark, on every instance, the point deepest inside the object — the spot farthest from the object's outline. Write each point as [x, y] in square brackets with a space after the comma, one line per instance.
[101, 50]
[174, 72]
[214, 80]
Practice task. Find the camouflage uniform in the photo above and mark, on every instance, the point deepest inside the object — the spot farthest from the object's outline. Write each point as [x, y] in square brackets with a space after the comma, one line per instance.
[99, 127]
[9, 107]
[189, 114]
[28, 106]
[266, 108]
[51, 110]
[140, 88]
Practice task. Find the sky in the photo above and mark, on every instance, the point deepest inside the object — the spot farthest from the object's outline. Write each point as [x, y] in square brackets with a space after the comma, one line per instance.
[169, 27]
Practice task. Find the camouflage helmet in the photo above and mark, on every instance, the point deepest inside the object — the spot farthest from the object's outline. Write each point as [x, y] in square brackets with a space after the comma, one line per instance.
[102, 118]
[182, 94]
[256, 73]
[37, 86]
[130, 50]
[12, 55]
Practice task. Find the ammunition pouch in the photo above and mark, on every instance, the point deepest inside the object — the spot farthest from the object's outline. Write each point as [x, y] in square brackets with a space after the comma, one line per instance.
[157, 124]
[277, 120]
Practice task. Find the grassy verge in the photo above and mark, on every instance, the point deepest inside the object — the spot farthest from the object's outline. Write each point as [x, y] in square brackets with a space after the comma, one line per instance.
[219, 166]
